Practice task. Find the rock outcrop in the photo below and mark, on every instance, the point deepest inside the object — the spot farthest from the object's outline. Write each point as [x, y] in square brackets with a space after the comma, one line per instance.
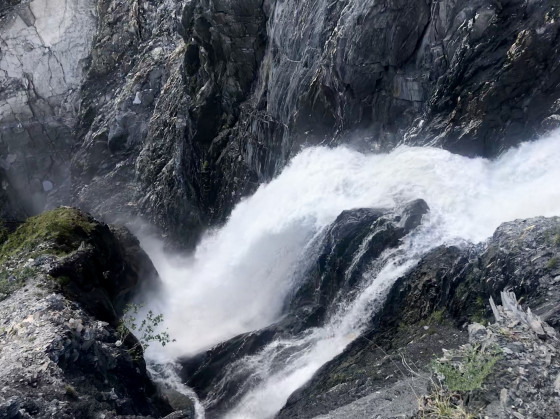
[349, 247]
[428, 308]
[136, 53]
[64, 278]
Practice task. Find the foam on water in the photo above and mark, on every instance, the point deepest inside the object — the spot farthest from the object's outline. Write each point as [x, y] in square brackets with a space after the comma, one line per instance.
[239, 276]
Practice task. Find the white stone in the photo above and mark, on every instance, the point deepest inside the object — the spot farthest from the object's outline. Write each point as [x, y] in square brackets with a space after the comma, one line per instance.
[47, 185]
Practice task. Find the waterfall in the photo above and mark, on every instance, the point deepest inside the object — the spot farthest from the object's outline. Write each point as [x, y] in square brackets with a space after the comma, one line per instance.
[240, 275]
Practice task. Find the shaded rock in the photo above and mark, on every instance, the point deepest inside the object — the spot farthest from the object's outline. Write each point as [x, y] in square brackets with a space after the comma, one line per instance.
[59, 358]
[136, 50]
[100, 268]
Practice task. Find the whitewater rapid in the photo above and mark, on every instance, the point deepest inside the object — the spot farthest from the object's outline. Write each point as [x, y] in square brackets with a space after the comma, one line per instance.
[239, 276]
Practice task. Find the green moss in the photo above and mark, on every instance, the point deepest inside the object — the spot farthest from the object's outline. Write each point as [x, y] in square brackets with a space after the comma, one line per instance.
[61, 230]
[479, 316]
[63, 280]
[71, 392]
[338, 379]
[552, 263]
[437, 317]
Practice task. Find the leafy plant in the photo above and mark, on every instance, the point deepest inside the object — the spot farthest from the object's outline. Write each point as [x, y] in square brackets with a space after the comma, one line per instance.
[147, 330]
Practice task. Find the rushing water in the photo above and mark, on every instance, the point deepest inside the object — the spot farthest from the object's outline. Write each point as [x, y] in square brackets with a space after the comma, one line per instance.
[239, 276]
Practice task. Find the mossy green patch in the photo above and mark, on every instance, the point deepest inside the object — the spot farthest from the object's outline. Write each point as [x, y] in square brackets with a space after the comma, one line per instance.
[61, 231]
[552, 263]
[437, 317]
[479, 315]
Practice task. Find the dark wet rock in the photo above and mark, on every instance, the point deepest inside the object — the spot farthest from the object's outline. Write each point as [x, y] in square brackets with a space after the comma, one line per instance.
[62, 355]
[448, 289]
[101, 267]
[136, 50]
[354, 241]
[351, 243]
[473, 77]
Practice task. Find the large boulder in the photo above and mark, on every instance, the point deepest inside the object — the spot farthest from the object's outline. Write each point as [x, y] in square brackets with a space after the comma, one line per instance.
[64, 279]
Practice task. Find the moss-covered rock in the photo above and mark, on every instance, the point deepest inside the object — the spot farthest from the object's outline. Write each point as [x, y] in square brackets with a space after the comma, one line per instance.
[64, 277]
[57, 232]
[90, 262]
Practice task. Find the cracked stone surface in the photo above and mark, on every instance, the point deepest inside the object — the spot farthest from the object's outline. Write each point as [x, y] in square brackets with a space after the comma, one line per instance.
[44, 45]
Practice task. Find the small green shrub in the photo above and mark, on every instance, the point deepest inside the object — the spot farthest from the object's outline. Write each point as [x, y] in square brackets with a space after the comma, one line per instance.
[471, 372]
[71, 392]
[435, 318]
[552, 263]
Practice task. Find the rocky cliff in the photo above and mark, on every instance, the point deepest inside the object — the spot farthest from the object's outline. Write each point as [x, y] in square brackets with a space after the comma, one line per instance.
[133, 119]
[173, 111]
[264, 79]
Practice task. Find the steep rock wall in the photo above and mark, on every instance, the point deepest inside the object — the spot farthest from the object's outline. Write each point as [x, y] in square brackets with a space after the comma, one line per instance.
[264, 79]
[44, 46]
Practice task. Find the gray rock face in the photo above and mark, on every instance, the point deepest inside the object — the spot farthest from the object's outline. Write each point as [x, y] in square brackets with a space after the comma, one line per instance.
[44, 46]
[137, 48]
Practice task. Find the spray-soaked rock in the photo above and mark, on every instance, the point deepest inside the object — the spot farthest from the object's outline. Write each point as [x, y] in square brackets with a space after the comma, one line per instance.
[353, 244]
[263, 80]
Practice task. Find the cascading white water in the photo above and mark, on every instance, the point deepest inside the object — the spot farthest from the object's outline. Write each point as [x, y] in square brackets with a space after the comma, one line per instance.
[240, 275]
